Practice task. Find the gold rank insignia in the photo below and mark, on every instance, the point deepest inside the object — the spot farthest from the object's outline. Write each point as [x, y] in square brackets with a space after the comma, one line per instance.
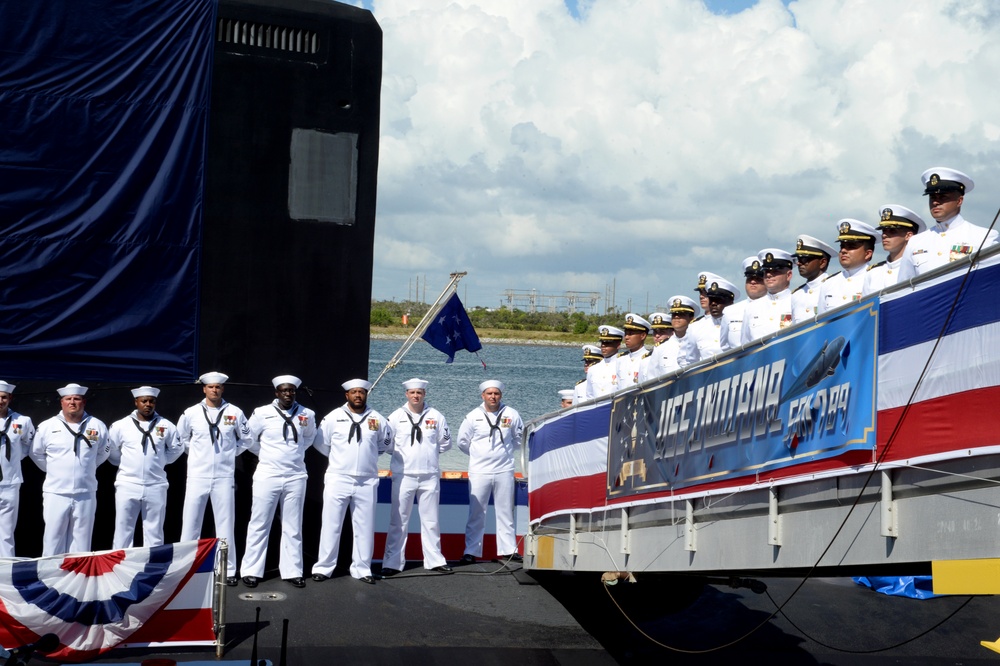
[845, 227]
[676, 303]
[755, 265]
[935, 180]
[886, 214]
[798, 244]
[768, 258]
[702, 279]
[628, 319]
[657, 319]
[714, 287]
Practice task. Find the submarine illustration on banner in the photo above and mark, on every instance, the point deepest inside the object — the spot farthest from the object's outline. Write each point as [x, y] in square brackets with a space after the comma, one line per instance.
[824, 364]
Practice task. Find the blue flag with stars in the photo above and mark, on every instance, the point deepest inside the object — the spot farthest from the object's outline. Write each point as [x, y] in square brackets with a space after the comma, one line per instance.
[452, 330]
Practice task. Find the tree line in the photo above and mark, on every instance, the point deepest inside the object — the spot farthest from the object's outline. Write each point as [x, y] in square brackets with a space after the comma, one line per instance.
[390, 313]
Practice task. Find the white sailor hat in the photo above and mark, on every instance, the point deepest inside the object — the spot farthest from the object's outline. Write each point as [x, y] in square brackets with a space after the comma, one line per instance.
[660, 321]
[810, 247]
[567, 394]
[704, 278]
[592, 353]
[5, 387]
[773, 257]
[415, 383]
[356, 383]
[72, 389]
[855, 230]
[752, 267]
[492, 383]
[943, 179]
[634, 322]
[286, 379]
[213, 378]
[682, 305]
[894, 215]
[145, 390]
[722, 287]
[605, 332]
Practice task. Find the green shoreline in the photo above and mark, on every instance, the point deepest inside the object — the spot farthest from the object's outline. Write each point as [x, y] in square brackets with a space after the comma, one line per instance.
[494, 336]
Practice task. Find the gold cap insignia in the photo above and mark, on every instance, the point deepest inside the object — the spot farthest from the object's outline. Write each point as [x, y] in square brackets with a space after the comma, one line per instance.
[886, 214]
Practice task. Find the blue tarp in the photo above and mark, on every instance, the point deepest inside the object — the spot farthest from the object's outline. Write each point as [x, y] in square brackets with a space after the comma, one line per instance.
[914, 587]
[104, 116]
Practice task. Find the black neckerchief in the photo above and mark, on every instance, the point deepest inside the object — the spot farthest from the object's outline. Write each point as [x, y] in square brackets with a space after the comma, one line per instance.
[147, 435]
[78, 435]
[415, 432]
[289, 423]
[213, 427]
[495, 426]
[4, 439]
[355, 425]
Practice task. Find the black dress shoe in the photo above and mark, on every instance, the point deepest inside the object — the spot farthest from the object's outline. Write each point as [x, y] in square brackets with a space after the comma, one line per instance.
[250, 581]
[367, 579]
[514, 557]
[389, 571]
[467, 559]
[296, 582]
[319, 578]
[232, 581]
[444, 568]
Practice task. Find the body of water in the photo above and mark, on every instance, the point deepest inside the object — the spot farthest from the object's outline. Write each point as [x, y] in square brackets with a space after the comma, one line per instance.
[533, 375]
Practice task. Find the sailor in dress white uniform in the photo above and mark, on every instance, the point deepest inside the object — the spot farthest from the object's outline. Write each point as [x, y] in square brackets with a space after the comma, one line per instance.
[813, 257]
[898, 225]
[16, 434]
[772, 312]
[857, 244]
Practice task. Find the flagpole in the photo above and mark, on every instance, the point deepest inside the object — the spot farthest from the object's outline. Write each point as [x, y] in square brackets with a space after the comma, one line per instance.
[422, 326]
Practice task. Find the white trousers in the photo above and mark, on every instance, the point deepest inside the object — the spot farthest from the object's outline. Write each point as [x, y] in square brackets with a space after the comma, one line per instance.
[426, 489]
[69, 522]
[223, 495]
[133, 501]
[360, 493]
[268, 494]
[9, 500]
[502, 488]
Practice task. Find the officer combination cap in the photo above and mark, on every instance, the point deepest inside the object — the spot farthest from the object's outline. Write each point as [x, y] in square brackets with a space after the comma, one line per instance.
[896, 216]
[72, 389]
[286, 379]
[682, 305]
[752, 267]
[213, 378]
[809, 247]
[704, 279]
[660, 321]
[356, 383]
[722, 287]
[943, 179]
[773, 257]
[415, 383]
[5, 387]
[491, 383]
[855, 230]
[610, 333]
[634, 322]
[567, 394]
[592, 353]
[144, 391]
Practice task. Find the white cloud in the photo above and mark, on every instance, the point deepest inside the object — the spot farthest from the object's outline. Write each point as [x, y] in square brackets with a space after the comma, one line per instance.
[644, 141]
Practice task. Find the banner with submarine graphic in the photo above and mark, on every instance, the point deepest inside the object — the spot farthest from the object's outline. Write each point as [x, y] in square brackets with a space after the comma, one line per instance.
[797, 399]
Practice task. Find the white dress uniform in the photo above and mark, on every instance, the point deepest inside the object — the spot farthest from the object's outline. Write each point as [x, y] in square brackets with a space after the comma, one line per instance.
[731, 326]
[580, 390]
[490, 439]
[768, 314]
[279, 439]
[941, 244]
[212, 437]
[602, 378]
[352, 443]
[805, 299]
[69, 454]
[842, 288]
[881, 275]
[708, 336]
[16, 435]
[629, 364]
[141, 450]
[416, 475]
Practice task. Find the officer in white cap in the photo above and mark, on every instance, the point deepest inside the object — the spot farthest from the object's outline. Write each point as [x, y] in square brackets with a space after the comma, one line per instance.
[857, 244]
[813, 257]
[68, 447]
[602, 379]
[591, 356]
[636, 329]
[142, 445]
[772, 312]
[213, 432]
[490, 434]
[351, 437]
[952, 236]
[280, 433]
[420, 436]
[731, 329]
[566, 397]
[682, 313]
[707, 332]
[16, 434]
[898, 225]
[704, 279]
[662, 330]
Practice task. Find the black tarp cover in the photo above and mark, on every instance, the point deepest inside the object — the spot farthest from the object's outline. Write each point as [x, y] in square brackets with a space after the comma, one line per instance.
[103, 119]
